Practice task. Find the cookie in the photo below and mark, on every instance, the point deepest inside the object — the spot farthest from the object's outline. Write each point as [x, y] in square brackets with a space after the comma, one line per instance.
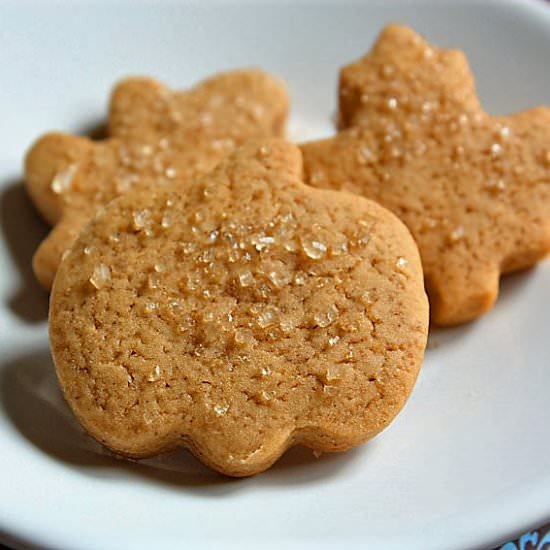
[156, 136]
[473, 189]
[239, 315]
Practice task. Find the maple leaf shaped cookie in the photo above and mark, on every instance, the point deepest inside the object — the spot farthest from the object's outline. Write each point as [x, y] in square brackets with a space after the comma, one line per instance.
[473, 189]
[156, 135]
[238, 315]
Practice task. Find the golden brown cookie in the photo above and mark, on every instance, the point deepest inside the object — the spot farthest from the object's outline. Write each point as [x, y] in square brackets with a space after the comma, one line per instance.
[239, 315]
[156, 136]
[473, 189]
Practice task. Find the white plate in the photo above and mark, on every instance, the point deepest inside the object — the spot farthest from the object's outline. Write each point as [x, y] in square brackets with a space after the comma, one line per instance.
[467, 463]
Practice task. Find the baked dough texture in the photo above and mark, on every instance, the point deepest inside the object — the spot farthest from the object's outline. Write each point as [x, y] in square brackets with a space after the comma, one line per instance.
[156, 136]
[239, 315]
[473, 189]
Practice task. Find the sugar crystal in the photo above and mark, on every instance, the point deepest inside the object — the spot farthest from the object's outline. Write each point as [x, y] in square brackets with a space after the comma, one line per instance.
[495, 185]
[313, 249]
[504, 132]
[63, 180]
[457, 234]
[154, 375]
[267, 317]
[246, 278]
[325, 318]
[428, 53]
[278, 274]
[142, 218]
[221, 410]
[333, 373]
[170, 172]
[101, 276]
[167, 219]
[333, 340]
[366, 298]
[243, 336]
[365, 155]
[287, 325]
[401, 263]
[496, 150]
[261, 241]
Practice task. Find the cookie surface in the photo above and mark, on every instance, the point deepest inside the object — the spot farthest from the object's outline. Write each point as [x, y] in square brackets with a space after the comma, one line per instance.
[156, 135]
[474, 190]
[242, 316]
